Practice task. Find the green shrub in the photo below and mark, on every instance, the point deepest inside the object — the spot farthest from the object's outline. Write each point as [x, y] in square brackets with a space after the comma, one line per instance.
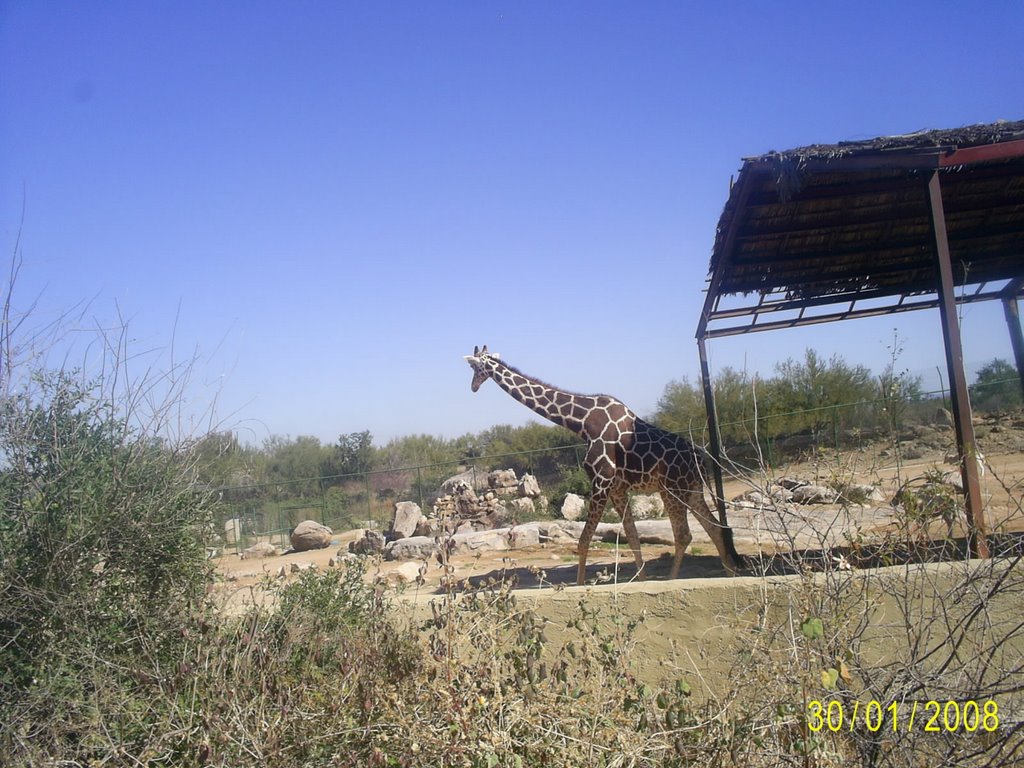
[102, 559]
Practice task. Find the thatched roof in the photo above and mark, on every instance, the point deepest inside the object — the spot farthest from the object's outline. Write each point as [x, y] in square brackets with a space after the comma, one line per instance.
[846, 222]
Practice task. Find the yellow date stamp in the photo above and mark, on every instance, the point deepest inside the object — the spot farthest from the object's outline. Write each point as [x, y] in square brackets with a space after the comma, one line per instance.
[927, 716]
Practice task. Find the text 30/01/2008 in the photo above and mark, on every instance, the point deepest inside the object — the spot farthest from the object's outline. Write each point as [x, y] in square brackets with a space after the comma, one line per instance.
[927, 716]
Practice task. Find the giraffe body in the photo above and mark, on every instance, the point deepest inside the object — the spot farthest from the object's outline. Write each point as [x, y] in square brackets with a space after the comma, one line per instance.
[624, 453]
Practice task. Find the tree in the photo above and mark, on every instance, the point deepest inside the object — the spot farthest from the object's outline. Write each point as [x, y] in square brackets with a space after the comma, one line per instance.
[353, 455]
[680, 408]
[296, 465]
[996, 387]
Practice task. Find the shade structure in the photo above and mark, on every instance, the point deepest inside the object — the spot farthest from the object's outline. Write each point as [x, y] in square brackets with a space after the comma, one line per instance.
[834, 232]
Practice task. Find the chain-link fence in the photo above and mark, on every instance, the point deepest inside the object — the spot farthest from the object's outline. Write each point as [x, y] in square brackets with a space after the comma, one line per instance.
[268, 512]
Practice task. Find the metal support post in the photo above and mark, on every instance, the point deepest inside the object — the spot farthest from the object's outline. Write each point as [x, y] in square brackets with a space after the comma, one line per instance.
[1012, 313]
[716, 445]
[965, 440]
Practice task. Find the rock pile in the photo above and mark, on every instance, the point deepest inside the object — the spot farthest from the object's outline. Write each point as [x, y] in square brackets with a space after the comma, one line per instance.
[478, 502]
[791, 491]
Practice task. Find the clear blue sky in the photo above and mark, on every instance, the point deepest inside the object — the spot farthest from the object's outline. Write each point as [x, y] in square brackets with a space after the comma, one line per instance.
[338, 200]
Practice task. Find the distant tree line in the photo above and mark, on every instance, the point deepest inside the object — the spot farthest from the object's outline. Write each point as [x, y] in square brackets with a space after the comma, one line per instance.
[811, 396]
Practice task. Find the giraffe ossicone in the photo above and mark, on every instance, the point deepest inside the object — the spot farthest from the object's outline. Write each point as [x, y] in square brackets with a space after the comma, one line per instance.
[624, 453]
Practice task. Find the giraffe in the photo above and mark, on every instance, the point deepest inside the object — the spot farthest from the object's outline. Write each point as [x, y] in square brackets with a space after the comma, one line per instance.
[624, 453]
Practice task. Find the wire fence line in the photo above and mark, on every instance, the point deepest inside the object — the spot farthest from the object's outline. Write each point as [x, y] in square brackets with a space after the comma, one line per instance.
[267, 512]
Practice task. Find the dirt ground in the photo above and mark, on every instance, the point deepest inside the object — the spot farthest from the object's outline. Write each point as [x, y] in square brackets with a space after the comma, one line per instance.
[685, 617]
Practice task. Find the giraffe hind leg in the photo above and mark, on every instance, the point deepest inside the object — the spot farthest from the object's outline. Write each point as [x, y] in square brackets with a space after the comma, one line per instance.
[719, 534]
[676, 512]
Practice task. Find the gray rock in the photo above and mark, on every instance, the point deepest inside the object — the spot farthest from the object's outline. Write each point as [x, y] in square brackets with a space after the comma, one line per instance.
[497, 540]
[654, 532]
[554, 532]
[573, 507]
[260, 550]
[649, 531]
[814, 494]
[497, 516]
[427, 526]
[232, 530]
[575, 529]
[407, 517]
[310, 534]
[644, 507]
[470, 478]
[412, 548]
[372, 543]
[407, 573]
[522, 506]
[753, 499]
[529, 487]
[502, 478]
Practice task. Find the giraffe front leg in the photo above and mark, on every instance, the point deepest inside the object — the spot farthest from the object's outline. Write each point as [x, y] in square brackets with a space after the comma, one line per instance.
[594, 512]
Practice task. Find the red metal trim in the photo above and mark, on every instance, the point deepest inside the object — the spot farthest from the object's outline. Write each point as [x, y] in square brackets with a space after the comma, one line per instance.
[983, 153]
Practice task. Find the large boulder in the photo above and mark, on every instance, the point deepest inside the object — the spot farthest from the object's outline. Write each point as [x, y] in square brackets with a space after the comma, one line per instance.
[496, 540]
[412, 548]
[310, 534]
[407, 517]
[573, 507]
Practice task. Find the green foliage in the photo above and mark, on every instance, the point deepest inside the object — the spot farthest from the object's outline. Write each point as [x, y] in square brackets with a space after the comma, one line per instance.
[922, 500]
[295, 465]
[573, 480]
[221, 460]
[996, 387]
[681, 409]
[102, 560]
[803, 395]
[813, 396]
[419, 450]
[353, 455]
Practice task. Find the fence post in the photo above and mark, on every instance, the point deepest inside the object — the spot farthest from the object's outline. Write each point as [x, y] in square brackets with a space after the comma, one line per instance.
[323, 501]
[369, 506]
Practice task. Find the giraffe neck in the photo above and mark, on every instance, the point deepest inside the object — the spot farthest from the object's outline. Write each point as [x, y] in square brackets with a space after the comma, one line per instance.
[563, 408]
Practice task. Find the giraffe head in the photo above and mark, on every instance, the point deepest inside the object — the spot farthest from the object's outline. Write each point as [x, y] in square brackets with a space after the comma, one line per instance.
[482, 362]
